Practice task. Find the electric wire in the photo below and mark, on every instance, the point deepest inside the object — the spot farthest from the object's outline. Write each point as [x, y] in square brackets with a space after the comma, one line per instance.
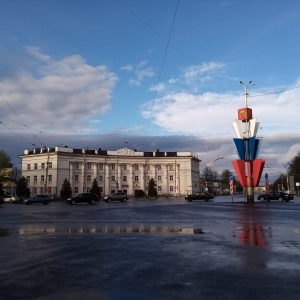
[160, 72]
[278, 92]
[18, 117]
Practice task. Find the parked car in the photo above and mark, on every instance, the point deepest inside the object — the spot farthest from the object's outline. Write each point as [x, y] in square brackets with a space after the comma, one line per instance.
[84, 197]
[9, 198]
[118, 196]
[281, 196]
[45, 199]
[199, 196]
[19, 199]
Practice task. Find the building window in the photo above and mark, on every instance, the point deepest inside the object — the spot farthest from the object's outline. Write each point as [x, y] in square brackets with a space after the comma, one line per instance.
[100, 166]
[113, 167]
[76, 178]
[159, 178]
[171, 178]
[42, 178]
[101, 178]
[35, 166]
[28, 167]
[101, 189]
[88, 178]
[113, 178]
[76, 190]
[43, 165]
[171, 188]
[76, 166]
[49, 178]
[136, 167]
[89, 166]
[124, 178]
[158, 167]
[34, 190]
[28, 179]
[136, 178]
[159, 188]
[50, 165]
[34, 178]
[171, 167]
[125, 167]
[41, 190]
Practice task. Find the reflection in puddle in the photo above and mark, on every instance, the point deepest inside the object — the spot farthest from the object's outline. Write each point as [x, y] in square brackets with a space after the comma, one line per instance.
[118, 229]
[254, 235]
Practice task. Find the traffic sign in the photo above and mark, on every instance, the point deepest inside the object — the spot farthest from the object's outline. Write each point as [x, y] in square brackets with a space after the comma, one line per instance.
[230, 176]
[266, 175]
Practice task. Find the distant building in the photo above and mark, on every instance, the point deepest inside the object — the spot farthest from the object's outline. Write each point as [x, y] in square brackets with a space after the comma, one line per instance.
[175, 173]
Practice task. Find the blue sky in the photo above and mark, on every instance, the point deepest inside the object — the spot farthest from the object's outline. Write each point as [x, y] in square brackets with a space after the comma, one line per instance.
[158, 74]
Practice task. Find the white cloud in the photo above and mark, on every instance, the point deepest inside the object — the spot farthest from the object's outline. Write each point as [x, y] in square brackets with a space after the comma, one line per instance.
[202, 72]
[140, 72]
[127, 68]
[211, 114]
[61, 95]
[158, 87]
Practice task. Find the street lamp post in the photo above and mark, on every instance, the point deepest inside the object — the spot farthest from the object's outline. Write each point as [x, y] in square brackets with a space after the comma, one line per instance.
[287, 178]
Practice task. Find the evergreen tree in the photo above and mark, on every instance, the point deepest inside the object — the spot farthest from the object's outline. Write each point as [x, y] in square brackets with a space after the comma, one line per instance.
[66, 190]
[22, 187]
[5, 160]
[152, 192]
[5, 166]
[95, 188]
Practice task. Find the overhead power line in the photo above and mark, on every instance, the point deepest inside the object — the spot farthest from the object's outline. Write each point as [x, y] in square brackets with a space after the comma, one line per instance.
[259, 95]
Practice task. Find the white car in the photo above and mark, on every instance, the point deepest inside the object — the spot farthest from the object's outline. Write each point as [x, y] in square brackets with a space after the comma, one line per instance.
[9, 198]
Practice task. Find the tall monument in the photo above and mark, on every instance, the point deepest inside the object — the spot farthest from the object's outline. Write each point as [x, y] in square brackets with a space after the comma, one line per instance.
[248, 168]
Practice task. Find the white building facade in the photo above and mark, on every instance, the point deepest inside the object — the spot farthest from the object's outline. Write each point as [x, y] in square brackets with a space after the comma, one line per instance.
[175, 173]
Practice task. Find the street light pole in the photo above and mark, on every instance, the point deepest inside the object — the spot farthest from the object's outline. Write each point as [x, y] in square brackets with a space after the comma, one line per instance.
[287, 178]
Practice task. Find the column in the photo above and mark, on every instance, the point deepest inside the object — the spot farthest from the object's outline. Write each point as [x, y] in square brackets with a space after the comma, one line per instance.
[106, 179]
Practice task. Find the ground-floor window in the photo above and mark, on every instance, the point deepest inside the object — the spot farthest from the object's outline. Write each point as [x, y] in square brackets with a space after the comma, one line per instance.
[76, 190]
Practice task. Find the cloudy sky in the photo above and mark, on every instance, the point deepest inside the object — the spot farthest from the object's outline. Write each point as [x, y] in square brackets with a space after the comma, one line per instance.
[157, 74]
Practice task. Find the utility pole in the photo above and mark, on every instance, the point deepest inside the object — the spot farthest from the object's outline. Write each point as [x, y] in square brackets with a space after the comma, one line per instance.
[287, 178]
[47, 166]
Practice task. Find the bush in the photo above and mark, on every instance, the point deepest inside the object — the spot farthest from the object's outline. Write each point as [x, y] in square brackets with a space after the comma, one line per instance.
[140, 193]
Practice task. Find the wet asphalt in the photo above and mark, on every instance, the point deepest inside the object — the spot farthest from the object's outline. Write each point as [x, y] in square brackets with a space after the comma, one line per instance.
[150, 250]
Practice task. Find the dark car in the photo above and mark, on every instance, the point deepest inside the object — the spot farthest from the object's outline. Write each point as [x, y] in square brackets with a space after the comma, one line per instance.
[199, 196]
[45, 199]
[19, 199]
[281, 196]
[84, 197]
[1, 199]
[118, 196]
